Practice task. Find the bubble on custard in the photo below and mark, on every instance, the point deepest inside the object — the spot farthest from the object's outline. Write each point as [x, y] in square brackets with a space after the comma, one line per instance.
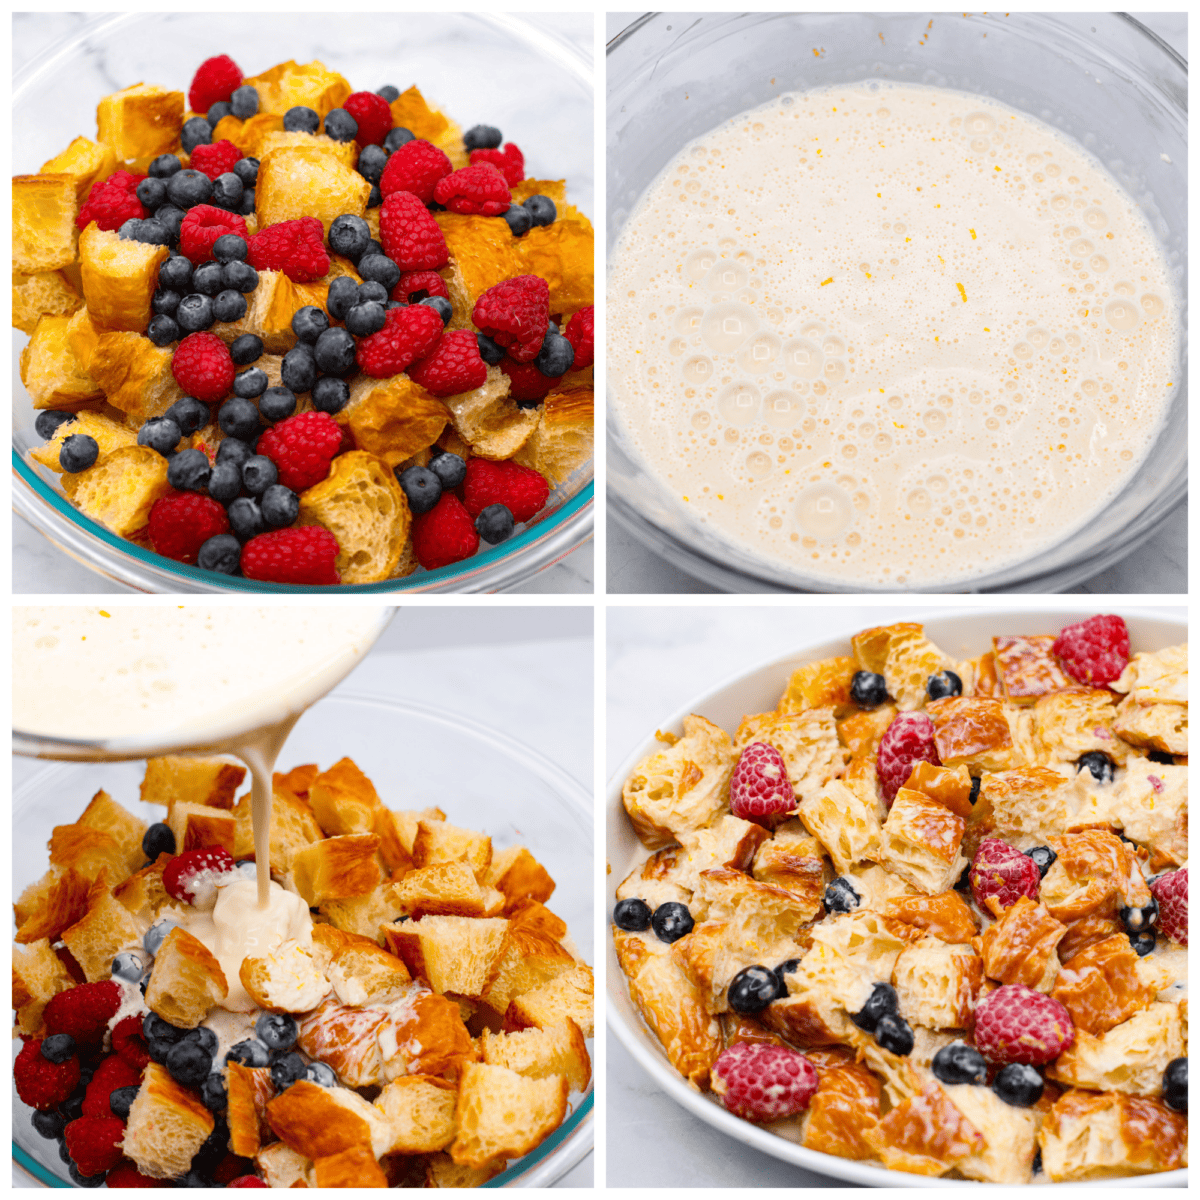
[698, 370]
[698, 264]
[688, 320]
[725, 327]
[758, 464]
[1152, 305]
[803, 358]
[824, 510]
[739, 402]
[760, 353]
[1122, 315]
[726, 276]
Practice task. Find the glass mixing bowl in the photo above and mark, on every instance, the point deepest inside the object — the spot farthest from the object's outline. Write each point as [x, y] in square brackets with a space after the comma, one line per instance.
[507, 790]
[1103, 79]
[469, 63]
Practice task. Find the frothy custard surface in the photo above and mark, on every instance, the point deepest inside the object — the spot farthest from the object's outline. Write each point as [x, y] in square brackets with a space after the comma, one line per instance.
[890, 334]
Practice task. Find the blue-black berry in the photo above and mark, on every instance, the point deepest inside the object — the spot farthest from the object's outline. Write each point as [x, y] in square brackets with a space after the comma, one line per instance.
[380, 269]
[245, 518]
[398, 137]
[258, 474]
[250, 1053]
[164, 166]
[445, 310]
[229, 305]
[176, 274]
[841, 896]
[187, 188]
[189, 470]
[482, 137]
[195, 313]
[280, 506]
[49, 420]
[78, 452]
[309, 323]
[277, 1031]
[227, 191]
[520, 220]
[371, 162]
[334, 353]
[301, 120]
[218, 112]
[672, 921]
[298, 371]
[489, 351]
[1042, 855]
[959, 1063]
[388, 92]
[152, 192]
[165, 301]
[1018, 1085]
[161, 434]
[632, 915]
[246, 349]
[422, 488]
[943, 684]
[340, 126]
[894, 1034]
[1099, 764]
[753, 989]
[451, 469]
[196, 132]
[330, 394]
[208, 279]
[225, 482]
[882, 1002]
[343, 294]
[542, 210]
[321, 1074]
[189, 414]
[58, 1047]
[495, 524]
[230, 247]
[222, 552]
[278, 403]
[365, 319]
[349, 236]
[868, 690]
[555, 357]
[246, 169]
[239, 277]
[49, 1125]
[120, 1100]
[151, 232]
[233, 451]
[372, 290]
[1175, 1084]
[213, 1093]
[244, 101]
[163, 330]
[250, 383]
[189, 1063]
[238, 418]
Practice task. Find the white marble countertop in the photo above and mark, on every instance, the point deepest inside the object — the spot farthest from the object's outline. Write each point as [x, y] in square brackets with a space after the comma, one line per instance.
[496, 665]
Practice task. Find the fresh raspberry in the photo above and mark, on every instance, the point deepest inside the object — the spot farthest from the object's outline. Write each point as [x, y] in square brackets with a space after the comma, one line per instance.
[215, 79]
[246, 1181]
[475, 191]
[409, 333]
[302, 447]
[114, 1072]
[126, 1175]
[526, 384]
[373, 115]
[128, 1042]
[40, 1083]
[297, 248]
[581, 333]
[1015, 1024]
[515, 314]
[1170, 890]
[415, 167]
[202, 226]
[84, 1011]
[217, 159]
[112, 201]
[1002, 875]
[202, 367]
[306, 555]
[759, 789]
[193, 874]
[1094, 651]
[761, 1082]
[444, 535]
[232, 1167]
[453, 367]
[520, 489]
[181, 522]
[429, 282]
[94, 1143]
[907, 740]
[509, 161]
[411, 237]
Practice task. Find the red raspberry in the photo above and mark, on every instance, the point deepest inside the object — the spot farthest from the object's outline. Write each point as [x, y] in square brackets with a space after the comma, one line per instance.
[1171, 892]
[297, 248]
[409, 334]
[180, 523]
[475, 191]
[306, 555]
[112, 201]
[515, 314]
[202, 367]
[453, 367]
[759, 789]
[40, 1083]
[128, 1042]
[1003, 875]
[1094, 651]
[415, 167]
[94, 1143]
[302, 447]
[444, 535]
[1015, 1024]
[112, 1073]
[216, 159]
[84, 1011]
[907, 740]
[520, 489]
[194, 873]
[126, 1175]
[761, 1082]
[202, 226]
[420, 281]
[411, 237]
[525, 382]
[509, 161]
[373, 115]
[246, 1181]
[581, 333]
[215, 79]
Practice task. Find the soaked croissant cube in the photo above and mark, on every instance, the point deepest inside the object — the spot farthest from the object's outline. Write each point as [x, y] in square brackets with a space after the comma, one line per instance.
[727, 842]
[412, 111]
[946, 916]
[860, 733]
[1009, 1135]
[142, 121]
[52, 375]
[845, 1106]
[43, 222]
[864, 942]
[119, 278]
[682, 788]
[1130, 1057]
[973, 732]
[808, 742]
[823, 684]
[925, 1135]
[830, 984]
[305, 181]
[135, 375]
[792, 861]
[562, 254]
[291, 84]
[1074, 722]
[1093, 873]
[1030, 801]
[949, 786]
[1153, 726]
[120, 489]
[846, 825]
[723, 894]
[1149, 801]
[1101, 987]
[938, 983]
[905, 658]
[716, 951]
[482, 254]
[983, 678]
[1021, 947]
[657, 880]
[85, 161]
[43, 294]
[1159, 677]
[1027, 668]
[920, 842]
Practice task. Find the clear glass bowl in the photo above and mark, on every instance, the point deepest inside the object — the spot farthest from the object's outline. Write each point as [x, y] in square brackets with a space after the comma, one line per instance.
[1101, 78]
[509, 791]
[498, 68]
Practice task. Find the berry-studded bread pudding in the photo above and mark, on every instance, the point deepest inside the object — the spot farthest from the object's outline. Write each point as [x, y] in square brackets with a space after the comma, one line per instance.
[407, 1011]
[283, 329]
[929, 914]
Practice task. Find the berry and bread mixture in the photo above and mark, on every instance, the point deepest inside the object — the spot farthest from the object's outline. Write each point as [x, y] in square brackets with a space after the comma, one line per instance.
[303, 334]
[931, 914]
[405, 1012]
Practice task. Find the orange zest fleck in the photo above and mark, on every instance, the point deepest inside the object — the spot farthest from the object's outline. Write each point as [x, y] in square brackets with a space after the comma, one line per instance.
[825, 281]
[962, 291]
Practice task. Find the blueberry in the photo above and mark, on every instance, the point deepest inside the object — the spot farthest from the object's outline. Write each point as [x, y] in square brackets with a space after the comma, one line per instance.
[542, 210]
[153, 938]
[250, 383]
[188, 471]
[520, 220]
[246, 349]
[395, 304]
[288, 1068]
[489, 351]
[49, 1124]
[151, 232]
[1043, 856]
[277, 1031]
[321, 1074]
[671, 921]
[72, 1107]
[335, 353]
[868, 690]
[250, 1053]
[238, 418]
[445, 310]
[343, 295]
[49, 421]
[959, 1063]
[58, 1047]
[280, 506]
[340, 126]
[555, 357]
[208, 279]
[451, 469]
[202, 1036]
[188, 188]
[62, 1145]
[213, 1093]
[164, 166]
[121, 1099]
[1175, 1085]
[195, 1179]
[244, 102]
[246, 208]
[370, 291]
[229, 305]
[753, 989]
[976, 781]
[258, 474]
[278, 403]
[155, 1029]
[309, 323]
[882, 1002]
[196, 132]
[371, 162]
[374, 196]
[222, 552]
[233, 451]
[1143, 943]
[398, 137]
[85, 1181]
[894, 1034]
[632, 915]
[783, 971]
[170, 216]
[365, 319]
[298, 371]
[164, 301]
[1018, 1085]
[943, 684]
[195, 313]
[245, 518]
[380, 269]
[373, 247]
[1100, 765]
[189, 414]
[78, 452]
[152, 192]
[388, 92]
[227, 191]
[301, 120]
[158, 839]
[495, 524]
[1139, 919]
[840, 896]
[482, 137]
[176, 275]
[423, 489]
[218, 112]
[349, 236]
[230, 247]
[246, 169]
